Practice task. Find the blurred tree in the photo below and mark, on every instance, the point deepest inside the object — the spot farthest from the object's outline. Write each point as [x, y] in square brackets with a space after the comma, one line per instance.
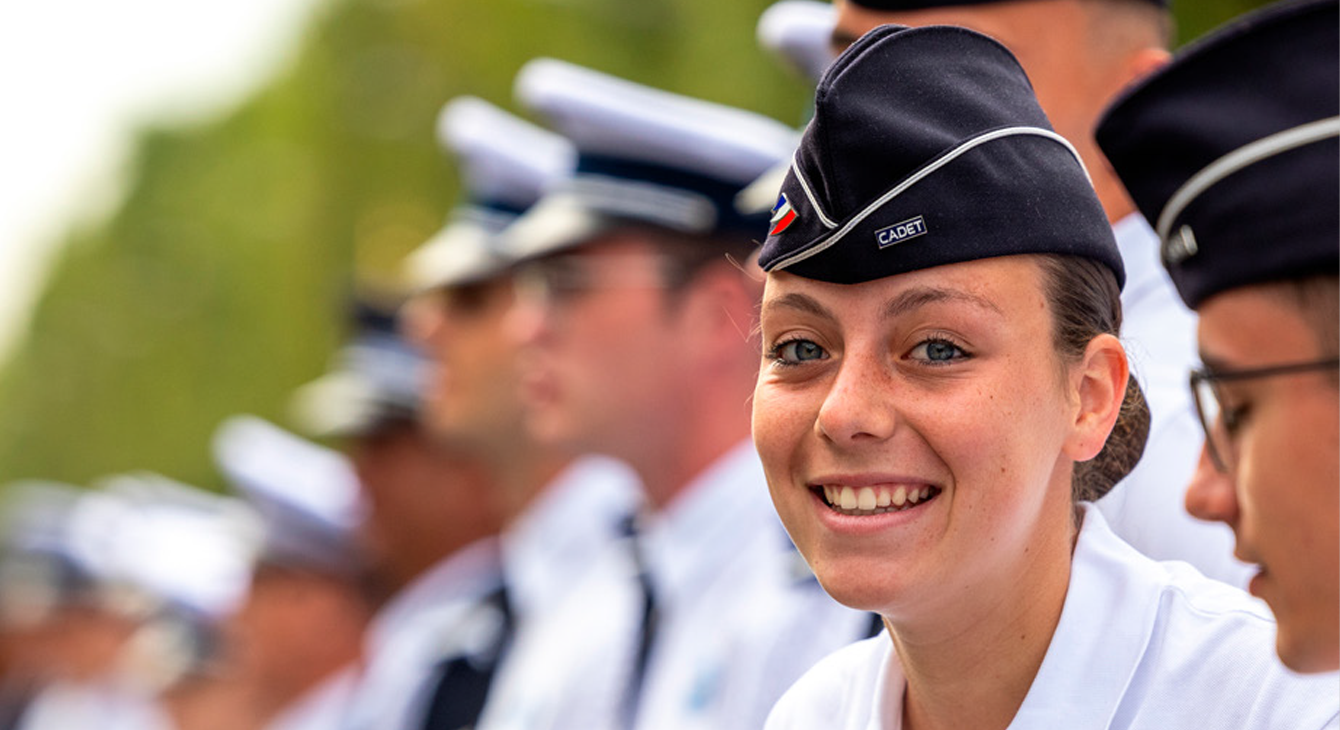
[221, 281]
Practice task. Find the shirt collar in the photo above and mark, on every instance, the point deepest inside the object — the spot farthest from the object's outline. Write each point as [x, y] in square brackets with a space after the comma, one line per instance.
[1110, 610]
[723, 508]
[567, 525]
[468, 574]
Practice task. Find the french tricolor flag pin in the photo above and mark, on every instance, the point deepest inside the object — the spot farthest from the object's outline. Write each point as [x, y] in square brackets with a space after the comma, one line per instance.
[782, 215]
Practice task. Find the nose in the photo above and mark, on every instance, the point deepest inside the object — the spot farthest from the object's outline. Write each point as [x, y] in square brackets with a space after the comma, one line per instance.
[421, 321]
[527, 321]
[857, 408]
[1211, 495]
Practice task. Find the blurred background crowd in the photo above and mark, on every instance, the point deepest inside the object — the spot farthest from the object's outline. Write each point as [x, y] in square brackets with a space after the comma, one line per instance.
[168, 562]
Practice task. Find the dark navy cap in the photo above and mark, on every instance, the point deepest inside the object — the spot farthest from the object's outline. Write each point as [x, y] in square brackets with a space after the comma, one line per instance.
[927, 148]
[894, 5]
[1231, 151]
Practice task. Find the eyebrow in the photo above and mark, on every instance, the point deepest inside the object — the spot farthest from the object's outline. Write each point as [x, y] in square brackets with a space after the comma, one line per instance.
[898, 306]
[800, 302]
[922, 296]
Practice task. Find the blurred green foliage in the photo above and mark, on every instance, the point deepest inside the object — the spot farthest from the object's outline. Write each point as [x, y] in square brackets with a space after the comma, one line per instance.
[220, 283]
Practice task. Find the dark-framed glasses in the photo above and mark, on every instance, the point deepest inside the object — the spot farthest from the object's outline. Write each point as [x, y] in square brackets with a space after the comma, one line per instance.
[1220, 422]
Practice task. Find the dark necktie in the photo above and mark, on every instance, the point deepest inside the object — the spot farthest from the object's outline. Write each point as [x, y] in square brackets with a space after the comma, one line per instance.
[463, 682]
[646, 631]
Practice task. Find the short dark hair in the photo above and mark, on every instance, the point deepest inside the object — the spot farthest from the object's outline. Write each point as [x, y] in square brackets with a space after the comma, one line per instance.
[1086, 302]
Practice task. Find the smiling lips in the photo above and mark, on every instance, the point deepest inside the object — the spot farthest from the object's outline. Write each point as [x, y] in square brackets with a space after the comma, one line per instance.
[860, 501]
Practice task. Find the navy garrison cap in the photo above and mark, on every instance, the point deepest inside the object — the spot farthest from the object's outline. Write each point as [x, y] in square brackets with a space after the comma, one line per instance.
[506, 164]
[644, 157]
[927, 148]
[1231, 151]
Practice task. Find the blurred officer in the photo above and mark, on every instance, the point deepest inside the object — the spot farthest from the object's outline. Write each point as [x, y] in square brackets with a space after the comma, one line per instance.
[430, 532]
[42, 586]
[1078, 55]
[298, 634]
[171, 562]
[1232, 152]
[637, 316]
[561, 512]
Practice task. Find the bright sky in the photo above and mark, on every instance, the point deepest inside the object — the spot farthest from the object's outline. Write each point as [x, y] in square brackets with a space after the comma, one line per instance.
[78, 76]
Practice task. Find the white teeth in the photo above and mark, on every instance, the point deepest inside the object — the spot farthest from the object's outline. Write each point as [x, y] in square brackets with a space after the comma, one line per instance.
[876, 500]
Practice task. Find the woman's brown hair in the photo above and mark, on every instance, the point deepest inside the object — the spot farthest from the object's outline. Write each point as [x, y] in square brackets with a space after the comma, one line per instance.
[1086, 302]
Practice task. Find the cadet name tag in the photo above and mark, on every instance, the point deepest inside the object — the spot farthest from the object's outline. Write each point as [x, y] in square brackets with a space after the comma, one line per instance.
[899, 232]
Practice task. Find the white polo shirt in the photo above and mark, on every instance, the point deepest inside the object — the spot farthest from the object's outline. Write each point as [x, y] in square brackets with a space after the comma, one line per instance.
[442, 614]
[1141, 645]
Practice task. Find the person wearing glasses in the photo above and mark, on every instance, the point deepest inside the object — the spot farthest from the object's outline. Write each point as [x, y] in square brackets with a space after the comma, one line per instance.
[1232, 151]
[942, 396]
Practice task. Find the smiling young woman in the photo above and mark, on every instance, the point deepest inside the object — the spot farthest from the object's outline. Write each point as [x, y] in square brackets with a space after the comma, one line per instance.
[938, 403]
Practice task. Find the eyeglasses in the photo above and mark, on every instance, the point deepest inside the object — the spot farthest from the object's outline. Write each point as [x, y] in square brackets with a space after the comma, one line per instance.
[558, 280]
[1219, 422]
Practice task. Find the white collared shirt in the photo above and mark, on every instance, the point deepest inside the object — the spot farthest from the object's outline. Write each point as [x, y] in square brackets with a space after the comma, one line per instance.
[571, 522]
[1140, 645]
[1146, 508]
[442, 614]
[720, 564]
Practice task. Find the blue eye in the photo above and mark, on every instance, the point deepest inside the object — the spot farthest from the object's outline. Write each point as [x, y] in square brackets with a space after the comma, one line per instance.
[795, 352]
[938, 351]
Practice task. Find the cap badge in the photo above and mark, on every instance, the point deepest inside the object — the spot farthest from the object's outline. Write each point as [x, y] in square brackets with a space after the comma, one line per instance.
[899, 232]
[1180, 246]
[783, 215]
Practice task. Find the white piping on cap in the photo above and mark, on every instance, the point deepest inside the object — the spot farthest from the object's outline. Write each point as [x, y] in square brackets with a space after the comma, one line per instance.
[814, 202]
[918, 177]
[1246, 155]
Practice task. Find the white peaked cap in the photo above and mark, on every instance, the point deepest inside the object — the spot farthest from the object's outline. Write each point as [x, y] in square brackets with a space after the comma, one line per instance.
[307, 495]
[644, 155]
[502, 157]
[799, 32]
[506, 164]
[182, 546]
[604, 114]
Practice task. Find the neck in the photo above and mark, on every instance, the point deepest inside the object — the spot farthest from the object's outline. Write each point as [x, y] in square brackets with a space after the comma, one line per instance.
[710, 427]
[971, 663]
[1117, 203]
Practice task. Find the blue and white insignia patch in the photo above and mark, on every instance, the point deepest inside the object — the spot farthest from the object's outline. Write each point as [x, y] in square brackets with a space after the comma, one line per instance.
[783, 215]
[899, 232]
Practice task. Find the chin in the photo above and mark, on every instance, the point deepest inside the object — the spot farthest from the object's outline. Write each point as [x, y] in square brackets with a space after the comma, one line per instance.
[858, 587]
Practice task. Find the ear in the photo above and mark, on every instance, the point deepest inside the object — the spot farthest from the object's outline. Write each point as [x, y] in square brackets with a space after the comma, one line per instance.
[1098, 385]
[1141, 64]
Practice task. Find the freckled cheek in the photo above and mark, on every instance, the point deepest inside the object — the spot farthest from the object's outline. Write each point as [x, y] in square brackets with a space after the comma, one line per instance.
[780, 422]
